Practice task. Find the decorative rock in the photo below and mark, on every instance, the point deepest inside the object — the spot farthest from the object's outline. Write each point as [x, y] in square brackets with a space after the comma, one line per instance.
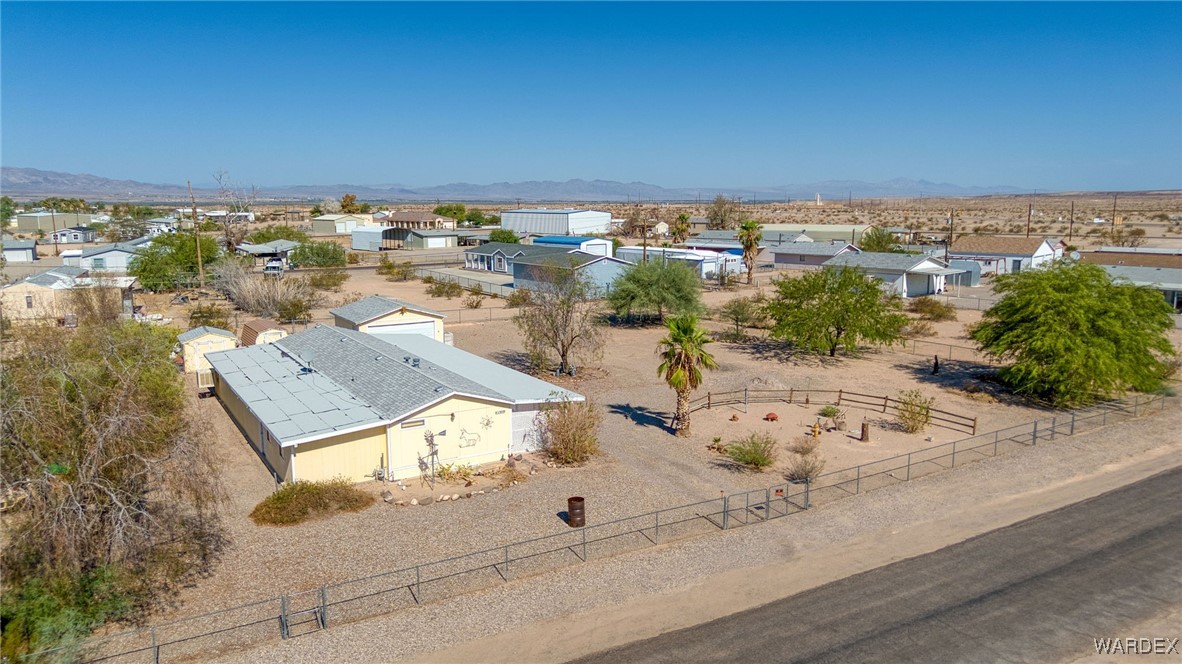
[519, 456]
[495, 490]
[480, 493]
[468, 495]
[387, 496]
[455, 496]
[772, 417]
[402, 487]
[734, 418]
[444, 497]
[427, 501]
[533, 471]
[400, 503]
[414, 501]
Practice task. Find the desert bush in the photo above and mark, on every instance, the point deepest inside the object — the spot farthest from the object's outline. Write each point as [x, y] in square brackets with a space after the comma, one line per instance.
[300, 501]
[294, 309]
[568, 431]
[918, 328]
[914, 411]
[401, 271]
[756, 451]
[520, 297]
[829, 412]
[475, 297]
[454, 472]
[330, 279]
[804, 445]
[804, 467]
[353, 258]
[262, 295]
[932, 309]
[504, 475]
[444, 288]
[209, 314]
[318, 254]
[349, 298]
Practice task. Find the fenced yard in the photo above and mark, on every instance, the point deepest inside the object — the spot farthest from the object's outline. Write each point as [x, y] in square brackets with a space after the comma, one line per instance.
[288, 616]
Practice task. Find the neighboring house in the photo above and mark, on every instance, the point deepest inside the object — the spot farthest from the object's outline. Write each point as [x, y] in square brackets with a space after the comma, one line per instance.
[902, 234]
[906, 274]
[73, 235]
[720, 240]
[330, 402]
[698, 225]
[798, 255]
[1004, 255]
[535, 273]
[565, 221]
[499, 256]
[162, 226]
[423, 221]
[473, 238]
[260, 331]
[18, 251]
[706, 264]
[187, 213]
[1134, 256]
[31, 222]
[273, 249]
[385, 317]
[1164, 279]
[197, 343]
[338, 224]
[820, 232]
[596, 246]
[110, 257]
[659, 229]
[384, 237]
[48, 295]
[787, 237]
[225, 216]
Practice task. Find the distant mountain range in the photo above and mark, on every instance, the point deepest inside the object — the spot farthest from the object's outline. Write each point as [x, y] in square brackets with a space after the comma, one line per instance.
[30, 183]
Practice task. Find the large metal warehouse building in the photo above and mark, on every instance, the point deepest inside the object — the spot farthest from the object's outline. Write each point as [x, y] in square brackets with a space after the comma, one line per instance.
[567, 221]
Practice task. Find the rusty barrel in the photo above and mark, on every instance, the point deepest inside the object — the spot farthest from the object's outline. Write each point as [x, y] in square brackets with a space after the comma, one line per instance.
[576, 511]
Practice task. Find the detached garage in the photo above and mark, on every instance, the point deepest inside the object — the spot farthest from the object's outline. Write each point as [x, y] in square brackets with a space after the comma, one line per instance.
[909, 275]
[387, 317]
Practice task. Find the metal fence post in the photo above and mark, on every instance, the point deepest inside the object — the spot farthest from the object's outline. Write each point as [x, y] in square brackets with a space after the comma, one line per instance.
[1054, 424]
[418, 585]
[506, 560]
[584, 544]
[283, 617]
[767, 504]
[908, 467]
[155, 648]
[858, 484]
[726, 511]
[954, 454]
[808, 482]
[1136, 400]
[657, 529]
[323, 608]
[1072, 424]
[1034, 435]
[996, 432]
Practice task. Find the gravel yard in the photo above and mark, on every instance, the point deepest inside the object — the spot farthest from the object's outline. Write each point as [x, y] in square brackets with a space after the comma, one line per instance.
[643, 466]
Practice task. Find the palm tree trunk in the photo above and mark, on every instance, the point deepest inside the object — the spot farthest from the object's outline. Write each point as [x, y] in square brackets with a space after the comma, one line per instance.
[681, 420]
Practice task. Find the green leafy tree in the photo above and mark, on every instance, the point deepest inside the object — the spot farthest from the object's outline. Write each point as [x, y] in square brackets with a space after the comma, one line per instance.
[503, 235]
[125, 229]
[276, 232]
[170, 261]
[1073, 335]
[364, 208]
[876, 239]
[683, 356]
[349, 204]
[656, 288]
[834, 308]
[7, 210]
[211, 315]
[474, 216]
[561, 321]
[450, 210]
[680, 228]
[750, 235]
[318, 254]
[723, 213]
[742, 312]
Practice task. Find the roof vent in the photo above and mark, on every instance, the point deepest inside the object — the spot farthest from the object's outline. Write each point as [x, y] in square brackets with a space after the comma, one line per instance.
[440, 388]
[415, 363]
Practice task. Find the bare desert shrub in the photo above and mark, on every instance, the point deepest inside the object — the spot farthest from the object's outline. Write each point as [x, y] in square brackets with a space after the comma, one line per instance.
[263, 295]
[914, 411]
[932, 309]
[568, 431]
[918, 328]
[211, 315]
[804, 467]
[330, 279]
[475, 298]
[520, 297]
[756, 451]
[401, 271]
[300, 501]
[444, 288]
[454, 472]
[505, 475]
[804, 445]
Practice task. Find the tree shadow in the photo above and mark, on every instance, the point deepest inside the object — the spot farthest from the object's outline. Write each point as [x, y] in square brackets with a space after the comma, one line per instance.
[774, 350]
[514, 359]
[966, 378]
[643, 416]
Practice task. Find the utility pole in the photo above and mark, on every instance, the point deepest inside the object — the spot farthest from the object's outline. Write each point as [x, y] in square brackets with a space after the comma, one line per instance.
[1071, 222]
[196, 237]
[951, 225]
[1029, 210]
[53, 220]
[1114, 209]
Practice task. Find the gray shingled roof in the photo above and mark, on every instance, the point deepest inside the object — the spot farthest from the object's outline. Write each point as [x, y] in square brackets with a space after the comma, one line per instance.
[132, 247]
[812, 248]
[376, 306]
[1164, 278]
[869, 260]
[10, 242]
[291, 402]
[379, 373]
[573, 259]
[203, 330]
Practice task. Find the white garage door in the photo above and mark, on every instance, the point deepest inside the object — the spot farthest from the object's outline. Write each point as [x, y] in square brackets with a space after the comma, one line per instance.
[426, 328]
[436, 242]
[917, 284]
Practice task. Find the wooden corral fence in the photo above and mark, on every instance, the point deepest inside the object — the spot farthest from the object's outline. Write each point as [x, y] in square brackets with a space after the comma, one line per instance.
[940, 418]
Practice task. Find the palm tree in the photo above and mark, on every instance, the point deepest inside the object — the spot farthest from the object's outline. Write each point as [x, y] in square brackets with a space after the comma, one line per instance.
[683, 356]
[680, 229]
[750, 235]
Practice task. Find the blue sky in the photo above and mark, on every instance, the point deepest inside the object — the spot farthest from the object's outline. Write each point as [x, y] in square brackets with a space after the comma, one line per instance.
[1054, 96]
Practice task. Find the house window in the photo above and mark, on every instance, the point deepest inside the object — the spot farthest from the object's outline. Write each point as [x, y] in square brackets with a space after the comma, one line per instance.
[802, 259]
[98, 263]
[500, 264]
[411, 424]
[28, 301]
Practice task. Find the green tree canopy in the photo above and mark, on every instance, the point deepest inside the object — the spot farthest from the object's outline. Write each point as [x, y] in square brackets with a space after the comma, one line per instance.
[503, 235]
[1073, 335]
[834, 308]
[723, 213]
[683, 356]
[7, 210]
[878, 240]
[318, 254]
[170, 261]
[656, 288]
[452, 210]
[474, 216]
[277, 232]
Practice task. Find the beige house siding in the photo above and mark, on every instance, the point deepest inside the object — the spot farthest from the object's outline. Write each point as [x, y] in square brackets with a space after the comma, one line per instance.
[396, 318]
[45, 302]
[195, 350]
[470, 438]
[353, 456]
[270, 336]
